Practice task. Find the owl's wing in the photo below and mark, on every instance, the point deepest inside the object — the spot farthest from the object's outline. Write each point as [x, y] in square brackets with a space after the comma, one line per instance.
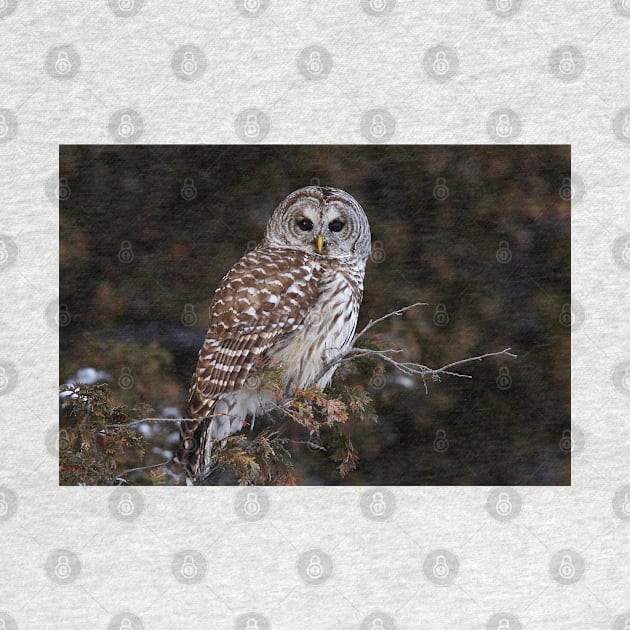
[265, 296]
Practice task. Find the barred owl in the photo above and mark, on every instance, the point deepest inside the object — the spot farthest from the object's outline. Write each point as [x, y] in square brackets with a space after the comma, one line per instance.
[293, 300]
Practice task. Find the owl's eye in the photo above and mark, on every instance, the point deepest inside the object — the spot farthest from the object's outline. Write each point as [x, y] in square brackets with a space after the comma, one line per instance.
[336, 225]
[305, 225]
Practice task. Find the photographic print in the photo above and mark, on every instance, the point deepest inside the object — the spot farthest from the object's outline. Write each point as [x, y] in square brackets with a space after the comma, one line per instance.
[315, 315]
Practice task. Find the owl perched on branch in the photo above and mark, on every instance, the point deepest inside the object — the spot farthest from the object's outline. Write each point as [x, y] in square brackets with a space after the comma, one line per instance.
[294, 300]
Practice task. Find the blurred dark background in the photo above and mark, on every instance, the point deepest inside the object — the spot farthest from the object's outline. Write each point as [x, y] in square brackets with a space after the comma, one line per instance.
[481, 233]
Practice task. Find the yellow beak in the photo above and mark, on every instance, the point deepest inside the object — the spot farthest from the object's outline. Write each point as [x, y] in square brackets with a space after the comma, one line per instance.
[320, 243]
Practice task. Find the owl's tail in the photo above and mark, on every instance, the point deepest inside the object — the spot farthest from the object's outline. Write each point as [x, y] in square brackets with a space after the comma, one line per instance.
[197, 452]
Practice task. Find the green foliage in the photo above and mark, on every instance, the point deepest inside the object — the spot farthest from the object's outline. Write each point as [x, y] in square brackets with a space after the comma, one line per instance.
[96, 436]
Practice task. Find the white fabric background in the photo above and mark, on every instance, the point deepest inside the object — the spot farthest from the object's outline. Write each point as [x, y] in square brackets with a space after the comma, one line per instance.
[124, 571]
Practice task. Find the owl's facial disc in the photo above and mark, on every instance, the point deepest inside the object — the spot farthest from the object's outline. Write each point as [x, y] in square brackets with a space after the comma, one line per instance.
[322, 221]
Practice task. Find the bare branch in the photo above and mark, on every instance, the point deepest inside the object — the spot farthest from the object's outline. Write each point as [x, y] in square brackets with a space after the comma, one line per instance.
[373, 322]
[126, 472]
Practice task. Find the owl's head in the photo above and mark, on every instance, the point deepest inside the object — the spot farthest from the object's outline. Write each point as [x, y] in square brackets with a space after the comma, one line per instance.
[322, 221]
